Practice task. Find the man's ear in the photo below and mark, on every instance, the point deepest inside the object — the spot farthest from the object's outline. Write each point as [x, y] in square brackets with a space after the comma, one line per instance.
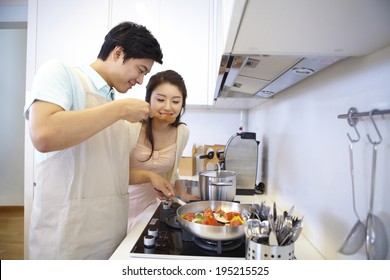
[117, 53]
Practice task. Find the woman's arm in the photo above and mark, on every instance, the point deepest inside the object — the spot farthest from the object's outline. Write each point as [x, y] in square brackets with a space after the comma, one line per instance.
[138, 176]
[181, 192]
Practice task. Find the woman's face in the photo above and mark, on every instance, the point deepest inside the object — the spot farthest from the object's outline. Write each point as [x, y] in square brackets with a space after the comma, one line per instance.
[166, 101]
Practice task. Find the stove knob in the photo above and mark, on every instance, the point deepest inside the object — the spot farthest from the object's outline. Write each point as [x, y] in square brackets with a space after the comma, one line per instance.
[153, 231]
[166, 205]
[149, 241]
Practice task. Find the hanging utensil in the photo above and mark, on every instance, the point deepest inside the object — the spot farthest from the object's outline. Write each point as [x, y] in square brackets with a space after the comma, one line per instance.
[357, 235]
[376, 239]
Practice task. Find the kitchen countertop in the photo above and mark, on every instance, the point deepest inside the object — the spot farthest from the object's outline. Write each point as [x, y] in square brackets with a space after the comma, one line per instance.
[304, 250]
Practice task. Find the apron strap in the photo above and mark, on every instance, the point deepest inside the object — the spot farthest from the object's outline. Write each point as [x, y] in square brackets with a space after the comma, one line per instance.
[82, 79]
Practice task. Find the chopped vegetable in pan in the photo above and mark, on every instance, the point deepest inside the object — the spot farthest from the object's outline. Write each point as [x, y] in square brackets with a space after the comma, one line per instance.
[218, 217]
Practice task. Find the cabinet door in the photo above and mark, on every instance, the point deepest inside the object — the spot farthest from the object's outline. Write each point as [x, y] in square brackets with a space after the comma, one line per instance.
[72, 31]
[185, 35]
[144, 12]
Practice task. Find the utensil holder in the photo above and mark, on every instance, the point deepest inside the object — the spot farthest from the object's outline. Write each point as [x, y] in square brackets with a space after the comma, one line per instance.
[258, 251]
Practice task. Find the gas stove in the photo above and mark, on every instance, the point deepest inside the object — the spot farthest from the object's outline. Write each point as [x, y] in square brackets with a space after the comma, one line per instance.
[163, 238]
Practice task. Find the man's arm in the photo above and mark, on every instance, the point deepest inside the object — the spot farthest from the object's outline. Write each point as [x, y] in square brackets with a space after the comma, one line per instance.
[52, 128]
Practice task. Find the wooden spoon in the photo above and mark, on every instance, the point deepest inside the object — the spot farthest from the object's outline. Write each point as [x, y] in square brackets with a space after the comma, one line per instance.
[164, 117]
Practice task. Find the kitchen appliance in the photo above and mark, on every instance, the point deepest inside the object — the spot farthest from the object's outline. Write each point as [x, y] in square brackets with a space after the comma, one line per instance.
[261, 55]
[244, 76]
[241, 156]
[217, 185]
[164, 238]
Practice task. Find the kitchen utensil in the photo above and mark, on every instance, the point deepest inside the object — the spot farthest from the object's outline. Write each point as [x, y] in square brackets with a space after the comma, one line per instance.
[272, 239]
[171, 198]
[263, 211]
[289, 213]
[217, 185]
[252, 228]
[245, 214]
[376, 239]
[190, 186]
[275, 212]
[357, 235]
[241, 156]
[164, 117]
[260, 251]
[216, 233]
[296, 232]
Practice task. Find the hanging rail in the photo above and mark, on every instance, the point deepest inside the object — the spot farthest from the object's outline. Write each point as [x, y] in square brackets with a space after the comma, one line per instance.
[353, 115]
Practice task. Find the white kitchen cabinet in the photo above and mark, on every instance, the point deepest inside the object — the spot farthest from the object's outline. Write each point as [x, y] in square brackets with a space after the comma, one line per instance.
[72, 31]
[186, 38]
[185, 32]
[144, 12]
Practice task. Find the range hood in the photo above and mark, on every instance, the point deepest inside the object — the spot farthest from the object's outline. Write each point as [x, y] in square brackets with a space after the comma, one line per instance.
[243, 76]
[272, 45]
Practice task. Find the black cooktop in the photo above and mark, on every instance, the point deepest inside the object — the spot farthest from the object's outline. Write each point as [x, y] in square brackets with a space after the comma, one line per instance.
[172, 242]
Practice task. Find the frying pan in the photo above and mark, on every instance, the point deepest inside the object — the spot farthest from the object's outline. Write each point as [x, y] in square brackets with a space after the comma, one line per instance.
[215, 233]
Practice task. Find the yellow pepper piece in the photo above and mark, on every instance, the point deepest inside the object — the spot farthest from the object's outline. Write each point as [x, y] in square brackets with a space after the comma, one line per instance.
[237, 218]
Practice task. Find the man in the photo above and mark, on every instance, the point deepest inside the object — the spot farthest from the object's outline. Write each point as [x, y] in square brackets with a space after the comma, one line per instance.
[82, 174]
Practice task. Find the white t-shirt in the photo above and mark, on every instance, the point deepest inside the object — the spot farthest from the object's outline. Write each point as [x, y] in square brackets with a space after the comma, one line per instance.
[57, 83]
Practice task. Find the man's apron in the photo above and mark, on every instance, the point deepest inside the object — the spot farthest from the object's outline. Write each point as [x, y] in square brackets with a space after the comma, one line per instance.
[81, 201]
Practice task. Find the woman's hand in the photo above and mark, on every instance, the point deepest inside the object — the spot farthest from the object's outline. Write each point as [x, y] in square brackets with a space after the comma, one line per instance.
[181, 192]
[161, 184]
[186, 197]
[158, 182]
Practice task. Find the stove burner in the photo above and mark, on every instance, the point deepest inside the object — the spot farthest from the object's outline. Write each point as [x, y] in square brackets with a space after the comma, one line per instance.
[172, 241]
[218, 246]
[172, 222]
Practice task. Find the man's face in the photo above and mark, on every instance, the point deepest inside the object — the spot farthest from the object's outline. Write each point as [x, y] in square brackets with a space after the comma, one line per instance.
[127, 74]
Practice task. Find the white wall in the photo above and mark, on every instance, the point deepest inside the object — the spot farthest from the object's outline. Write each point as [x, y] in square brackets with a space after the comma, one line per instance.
[13, 38]
[209, 127]
[306, 148]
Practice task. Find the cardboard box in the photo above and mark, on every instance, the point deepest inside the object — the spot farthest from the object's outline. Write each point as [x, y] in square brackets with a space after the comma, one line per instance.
[187, 166]
[190, 166]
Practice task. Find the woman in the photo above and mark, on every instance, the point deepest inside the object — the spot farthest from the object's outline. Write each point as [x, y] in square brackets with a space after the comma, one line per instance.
[162, 139]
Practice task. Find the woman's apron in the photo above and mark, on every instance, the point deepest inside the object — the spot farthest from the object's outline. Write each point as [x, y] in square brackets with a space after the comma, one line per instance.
[81, 201]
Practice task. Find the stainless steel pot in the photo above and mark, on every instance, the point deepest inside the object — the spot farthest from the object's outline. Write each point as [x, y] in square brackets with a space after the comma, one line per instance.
[216, 233]
[217, 185]
[191, 186]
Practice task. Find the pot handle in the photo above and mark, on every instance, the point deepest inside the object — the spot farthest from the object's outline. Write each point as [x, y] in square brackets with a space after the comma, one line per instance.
[222, 183]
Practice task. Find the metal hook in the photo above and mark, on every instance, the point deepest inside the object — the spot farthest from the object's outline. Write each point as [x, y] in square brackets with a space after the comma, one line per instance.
[376, 128]
[353, 124]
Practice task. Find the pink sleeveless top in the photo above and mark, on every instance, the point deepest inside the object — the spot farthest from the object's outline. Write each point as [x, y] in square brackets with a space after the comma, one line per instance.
[143, 195]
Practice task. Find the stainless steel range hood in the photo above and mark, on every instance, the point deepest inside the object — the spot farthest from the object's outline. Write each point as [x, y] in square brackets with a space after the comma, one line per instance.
[243, 76]
[272, 45]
